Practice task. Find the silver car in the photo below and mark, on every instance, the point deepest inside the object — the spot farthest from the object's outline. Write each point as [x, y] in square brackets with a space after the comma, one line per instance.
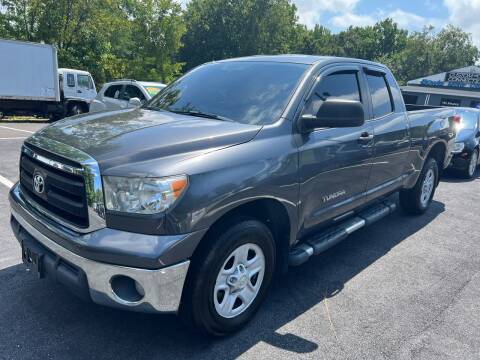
[122, 94]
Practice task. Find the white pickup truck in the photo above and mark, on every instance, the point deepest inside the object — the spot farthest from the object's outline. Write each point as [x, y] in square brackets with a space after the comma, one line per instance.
[32, 84]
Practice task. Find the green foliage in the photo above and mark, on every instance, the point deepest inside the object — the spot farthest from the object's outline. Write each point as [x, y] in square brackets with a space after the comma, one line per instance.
[110, 38]
[427, 52]
[218, 29]
[156, 40]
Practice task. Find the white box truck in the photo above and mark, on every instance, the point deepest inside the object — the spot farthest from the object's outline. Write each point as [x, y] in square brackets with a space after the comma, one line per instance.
[32, 84]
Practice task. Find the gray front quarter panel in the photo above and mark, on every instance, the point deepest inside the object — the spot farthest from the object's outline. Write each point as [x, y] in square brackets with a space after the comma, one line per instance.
[265, 168]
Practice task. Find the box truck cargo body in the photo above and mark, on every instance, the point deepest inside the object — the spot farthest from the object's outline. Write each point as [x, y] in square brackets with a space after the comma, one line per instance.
[32, 84]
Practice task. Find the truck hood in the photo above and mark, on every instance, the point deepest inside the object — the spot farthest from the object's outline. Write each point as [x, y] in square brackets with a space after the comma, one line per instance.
[119, 138]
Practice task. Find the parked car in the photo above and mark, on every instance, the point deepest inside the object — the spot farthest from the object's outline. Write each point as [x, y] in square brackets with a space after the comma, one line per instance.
[194, 201]
[466, 149]
[122, 94]
[37, 87]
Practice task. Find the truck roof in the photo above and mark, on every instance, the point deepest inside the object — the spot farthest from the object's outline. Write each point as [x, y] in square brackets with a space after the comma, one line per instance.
[83, 72]
[300, 59]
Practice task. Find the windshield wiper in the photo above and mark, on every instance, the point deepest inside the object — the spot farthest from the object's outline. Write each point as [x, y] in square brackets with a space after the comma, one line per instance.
[202, 114]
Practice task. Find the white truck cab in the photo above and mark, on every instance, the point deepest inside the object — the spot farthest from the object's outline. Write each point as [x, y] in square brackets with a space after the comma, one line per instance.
[32, 84]
[77, 88]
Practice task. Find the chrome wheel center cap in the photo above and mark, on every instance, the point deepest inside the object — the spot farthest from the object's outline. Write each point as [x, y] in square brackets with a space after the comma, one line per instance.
[239, 279]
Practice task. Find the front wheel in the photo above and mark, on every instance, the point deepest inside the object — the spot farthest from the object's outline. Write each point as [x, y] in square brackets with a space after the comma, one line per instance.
[75, 109]
[229, 279]
[471, 167]
[416, 201]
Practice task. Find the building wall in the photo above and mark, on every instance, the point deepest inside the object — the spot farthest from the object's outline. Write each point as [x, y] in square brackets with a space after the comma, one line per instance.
[440, 99]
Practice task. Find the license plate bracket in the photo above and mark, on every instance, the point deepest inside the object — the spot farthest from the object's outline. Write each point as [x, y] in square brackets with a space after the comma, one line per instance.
[33, 260]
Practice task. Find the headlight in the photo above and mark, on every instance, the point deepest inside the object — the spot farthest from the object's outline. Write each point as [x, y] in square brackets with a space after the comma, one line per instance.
[458, 147]
[142, 195]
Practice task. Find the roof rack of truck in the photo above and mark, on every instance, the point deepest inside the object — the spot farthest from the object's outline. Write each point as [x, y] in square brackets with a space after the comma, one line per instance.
[132, 80]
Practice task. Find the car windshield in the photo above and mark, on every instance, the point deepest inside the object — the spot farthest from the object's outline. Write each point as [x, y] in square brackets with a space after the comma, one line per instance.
[469, 120]
[153, 90]
[248, 92]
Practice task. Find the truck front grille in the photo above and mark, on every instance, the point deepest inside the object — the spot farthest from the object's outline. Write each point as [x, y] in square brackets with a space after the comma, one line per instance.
[63, 194]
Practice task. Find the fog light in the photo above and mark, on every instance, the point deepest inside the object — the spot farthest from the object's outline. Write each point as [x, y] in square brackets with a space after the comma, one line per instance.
[127, 289]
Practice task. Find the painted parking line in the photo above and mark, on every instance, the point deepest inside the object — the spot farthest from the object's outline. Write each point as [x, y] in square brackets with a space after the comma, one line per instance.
[13, 138]
[5, 182]
[12, 128]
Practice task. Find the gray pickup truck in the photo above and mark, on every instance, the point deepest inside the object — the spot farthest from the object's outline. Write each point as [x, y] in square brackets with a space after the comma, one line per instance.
[232, 173]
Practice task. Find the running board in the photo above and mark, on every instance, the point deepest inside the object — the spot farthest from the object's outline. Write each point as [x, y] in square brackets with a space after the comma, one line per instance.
[321, 242]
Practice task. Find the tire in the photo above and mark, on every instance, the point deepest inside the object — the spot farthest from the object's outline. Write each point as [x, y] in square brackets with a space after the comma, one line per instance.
[208, 293]
[75, 109]
[471, 167]
[415, 201]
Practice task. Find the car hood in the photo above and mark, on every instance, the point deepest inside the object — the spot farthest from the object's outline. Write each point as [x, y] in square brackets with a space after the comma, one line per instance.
[465, 135]
[117, 139]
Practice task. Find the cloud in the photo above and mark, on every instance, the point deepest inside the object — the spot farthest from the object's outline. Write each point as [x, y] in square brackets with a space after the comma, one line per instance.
[343, 13]
[310, 12]
[413, 21]
[465, 14]
[352, 19]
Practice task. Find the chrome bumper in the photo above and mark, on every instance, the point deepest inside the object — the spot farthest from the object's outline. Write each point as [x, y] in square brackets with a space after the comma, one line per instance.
[161, 290]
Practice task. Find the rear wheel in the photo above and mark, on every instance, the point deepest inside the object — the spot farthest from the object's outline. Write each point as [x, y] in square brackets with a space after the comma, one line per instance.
[472, 164]
[229, 280]
[416, 201]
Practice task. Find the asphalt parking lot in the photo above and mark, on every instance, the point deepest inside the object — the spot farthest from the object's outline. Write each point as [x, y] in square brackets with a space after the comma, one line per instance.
[405, 288]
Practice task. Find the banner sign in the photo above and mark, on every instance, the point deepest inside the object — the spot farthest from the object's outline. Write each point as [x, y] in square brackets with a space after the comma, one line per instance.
[465, 80]
[463, 77]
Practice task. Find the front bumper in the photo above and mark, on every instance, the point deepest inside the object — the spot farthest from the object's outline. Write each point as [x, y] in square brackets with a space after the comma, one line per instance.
[161, 289]
[460, 160]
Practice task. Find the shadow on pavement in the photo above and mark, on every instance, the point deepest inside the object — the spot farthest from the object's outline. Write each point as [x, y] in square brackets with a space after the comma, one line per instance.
[42, 320]
[455, 176]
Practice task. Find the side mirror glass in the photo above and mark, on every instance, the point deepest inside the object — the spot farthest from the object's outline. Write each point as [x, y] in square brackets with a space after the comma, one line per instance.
[134, 102]
[335, 113]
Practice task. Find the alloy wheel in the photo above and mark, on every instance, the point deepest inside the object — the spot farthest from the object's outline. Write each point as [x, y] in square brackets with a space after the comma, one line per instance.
[239, 280]
[427, 187]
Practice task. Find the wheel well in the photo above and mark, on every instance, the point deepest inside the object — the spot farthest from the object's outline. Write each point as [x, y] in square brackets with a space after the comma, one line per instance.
[82, 104]
[438, 152]
[268, 211]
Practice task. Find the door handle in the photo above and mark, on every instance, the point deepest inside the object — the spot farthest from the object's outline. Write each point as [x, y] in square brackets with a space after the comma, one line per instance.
[79, 91]
[365, 137]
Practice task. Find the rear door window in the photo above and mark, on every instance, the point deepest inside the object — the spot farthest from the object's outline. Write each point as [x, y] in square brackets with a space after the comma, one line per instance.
[380, 93]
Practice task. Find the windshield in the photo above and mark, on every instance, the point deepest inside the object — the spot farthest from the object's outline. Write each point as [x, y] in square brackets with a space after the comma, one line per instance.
[246, 92]
[153, 90]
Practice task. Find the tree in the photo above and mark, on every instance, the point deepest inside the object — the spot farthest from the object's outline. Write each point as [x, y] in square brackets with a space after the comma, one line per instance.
[318, 41]
[372, 42]
[110, 38]
[219, 29]
[426, 53]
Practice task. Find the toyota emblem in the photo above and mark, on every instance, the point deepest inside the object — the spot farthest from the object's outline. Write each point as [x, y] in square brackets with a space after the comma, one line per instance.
[38, 183]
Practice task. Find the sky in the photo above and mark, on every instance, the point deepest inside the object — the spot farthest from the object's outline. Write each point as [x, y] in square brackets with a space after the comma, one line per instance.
[409, 14]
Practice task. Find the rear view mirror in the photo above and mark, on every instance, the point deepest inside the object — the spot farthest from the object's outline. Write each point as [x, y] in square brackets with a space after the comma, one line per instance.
[134, 102]
[335, 113]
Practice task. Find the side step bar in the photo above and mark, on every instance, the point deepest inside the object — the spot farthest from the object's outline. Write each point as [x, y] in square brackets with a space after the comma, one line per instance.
[321, 242]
